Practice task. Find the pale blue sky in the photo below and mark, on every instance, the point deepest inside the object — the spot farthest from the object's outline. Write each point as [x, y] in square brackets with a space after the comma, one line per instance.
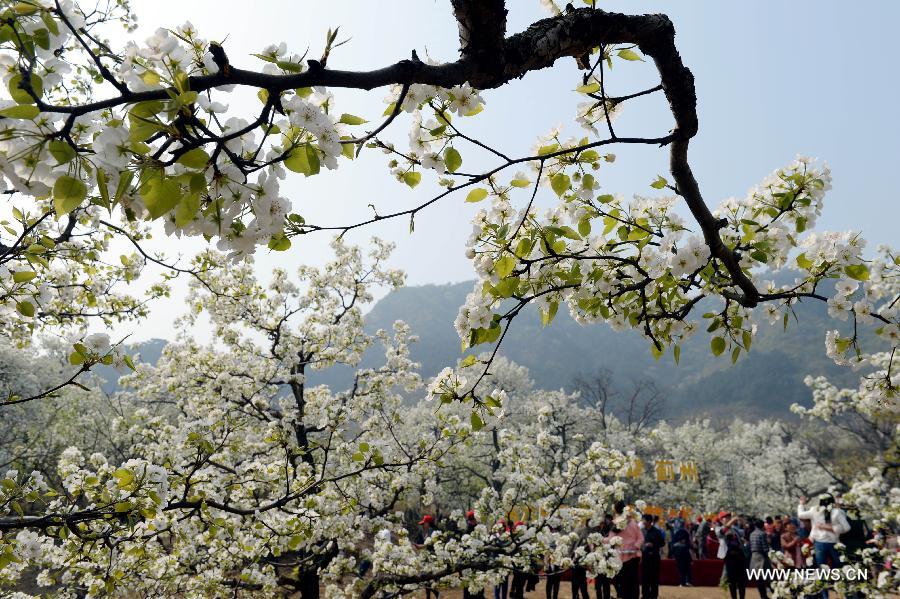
[774, 79]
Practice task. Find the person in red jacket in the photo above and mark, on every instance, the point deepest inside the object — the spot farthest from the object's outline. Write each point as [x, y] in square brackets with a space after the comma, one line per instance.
[627, 529]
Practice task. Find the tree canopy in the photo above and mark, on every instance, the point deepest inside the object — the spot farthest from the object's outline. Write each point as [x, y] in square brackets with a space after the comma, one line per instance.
[242, 472]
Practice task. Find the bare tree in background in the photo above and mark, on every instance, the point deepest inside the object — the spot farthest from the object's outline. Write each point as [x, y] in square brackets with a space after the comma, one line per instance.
[640, 405]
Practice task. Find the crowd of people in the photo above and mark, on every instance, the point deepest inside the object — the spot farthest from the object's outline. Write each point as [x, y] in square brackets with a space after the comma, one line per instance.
[809, 538]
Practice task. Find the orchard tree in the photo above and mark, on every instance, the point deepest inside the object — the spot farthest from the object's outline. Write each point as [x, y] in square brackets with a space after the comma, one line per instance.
[236, 475]
[751, 467]
[553, 420]
[100, 141]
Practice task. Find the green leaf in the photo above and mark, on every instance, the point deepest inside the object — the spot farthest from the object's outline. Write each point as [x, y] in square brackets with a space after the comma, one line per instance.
[187, 209]
[289, 66]
[520, 182]
[150, 77]
[61, 150]
[477, 194]
[186, 98]
[476, 422]
[584, 227]
[629, 54]
[659, 183]
[25, 308]
[548, 149]
[676, 352]
[196, 159]
[349, 119]
[452, 159]
[717, 345]
[124, 183]
[548, 315]
[412, 178]
[142, 121]
[24, 112]
[23, 276]
[161, 195]
[279, 243]
[303, 159]
[147, 109]
[68, 193]
[560, 183]
[588, 88]
[468, 361]
[569, 233]
[804, 262]
[347, 149]
[42, 38]
[504, 266]
[124, 477]
[20, 95]
[857, 271]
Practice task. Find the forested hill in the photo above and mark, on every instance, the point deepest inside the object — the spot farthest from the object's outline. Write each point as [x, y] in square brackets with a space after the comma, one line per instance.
[765, 382]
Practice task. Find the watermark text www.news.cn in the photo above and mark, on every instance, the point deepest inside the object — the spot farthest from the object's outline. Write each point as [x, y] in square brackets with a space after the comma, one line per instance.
[807, 574]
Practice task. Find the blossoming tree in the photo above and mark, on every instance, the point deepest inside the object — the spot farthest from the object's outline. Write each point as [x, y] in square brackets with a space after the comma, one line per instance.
[99, 142]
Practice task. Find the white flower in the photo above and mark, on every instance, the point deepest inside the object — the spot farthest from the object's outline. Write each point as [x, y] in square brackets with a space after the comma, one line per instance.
[97, 343]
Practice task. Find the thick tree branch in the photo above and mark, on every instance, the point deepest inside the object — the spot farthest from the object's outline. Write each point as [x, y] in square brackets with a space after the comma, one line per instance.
[488, 61]
[482, 33]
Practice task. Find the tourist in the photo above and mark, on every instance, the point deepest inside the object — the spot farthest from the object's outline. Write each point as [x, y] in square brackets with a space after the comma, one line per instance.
[627, 529]
[427, 524]
[501, 590]
[735, 565]
[602, 582]
[700, 534]
[471, 525]
[654, 541]
[759, 554]
[579, 574]
[828, 524]
[681, 551]
[790, 545]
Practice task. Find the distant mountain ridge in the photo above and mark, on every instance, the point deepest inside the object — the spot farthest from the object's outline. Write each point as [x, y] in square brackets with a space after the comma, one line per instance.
[763, 383]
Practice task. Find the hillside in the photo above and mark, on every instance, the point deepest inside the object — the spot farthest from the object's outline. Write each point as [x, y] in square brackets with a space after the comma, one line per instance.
[766, 382]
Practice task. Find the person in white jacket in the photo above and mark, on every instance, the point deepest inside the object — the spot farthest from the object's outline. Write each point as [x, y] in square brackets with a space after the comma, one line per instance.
[828, 524]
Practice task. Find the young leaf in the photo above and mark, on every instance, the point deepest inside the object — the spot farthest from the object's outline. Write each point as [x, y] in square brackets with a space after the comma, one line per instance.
[659, 183]
[61, 151]
[857, 271]
[68, 192]
[560, 183]
[452, 159]
[629, 54]
[412, 178]
[23, 276]
[196, 159]
[476, 422]
[23, 111]
[349, 119]
[477, 194]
